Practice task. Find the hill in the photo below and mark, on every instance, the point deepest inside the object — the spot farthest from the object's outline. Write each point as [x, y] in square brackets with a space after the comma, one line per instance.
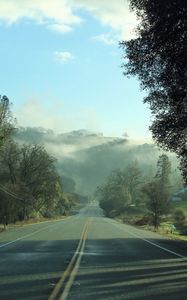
[88, 157]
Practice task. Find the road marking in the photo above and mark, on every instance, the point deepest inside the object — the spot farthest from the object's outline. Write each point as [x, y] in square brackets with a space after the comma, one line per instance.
[29, 234]
[70, 273]
[37, 223]
[149, 242]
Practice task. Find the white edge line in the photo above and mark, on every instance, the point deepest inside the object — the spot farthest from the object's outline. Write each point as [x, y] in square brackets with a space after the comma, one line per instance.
[32, 233]
[149, 242]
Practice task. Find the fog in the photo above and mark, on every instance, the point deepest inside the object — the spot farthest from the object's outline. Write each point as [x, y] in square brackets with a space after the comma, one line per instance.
[88, 157]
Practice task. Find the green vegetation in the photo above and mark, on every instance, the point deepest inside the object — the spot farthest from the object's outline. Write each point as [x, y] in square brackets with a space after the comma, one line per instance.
[179, 217]
[121, 190]
[30, 185]
[140, 199]
[6, 120]
[181, 205]
[157, 191]
[158, 57]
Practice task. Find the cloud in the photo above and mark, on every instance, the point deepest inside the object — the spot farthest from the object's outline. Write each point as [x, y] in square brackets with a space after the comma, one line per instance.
[63, 15]
[56, 14]
[107, 39]
[60, 28]
[114, 14]
[63, 57]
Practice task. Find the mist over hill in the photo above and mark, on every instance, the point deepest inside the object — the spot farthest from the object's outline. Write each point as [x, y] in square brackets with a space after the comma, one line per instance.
[87, 157]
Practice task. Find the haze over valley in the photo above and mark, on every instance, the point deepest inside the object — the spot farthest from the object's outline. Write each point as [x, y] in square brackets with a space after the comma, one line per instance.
[89, 157]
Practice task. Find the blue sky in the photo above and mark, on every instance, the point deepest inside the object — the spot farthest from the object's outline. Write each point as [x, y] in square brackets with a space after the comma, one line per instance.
[60, 66]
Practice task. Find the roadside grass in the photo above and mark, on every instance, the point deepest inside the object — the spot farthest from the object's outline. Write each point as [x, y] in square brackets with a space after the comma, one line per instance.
[36, 220]
[173, 230]
[30, 222]
[138, 216]
[39, 218]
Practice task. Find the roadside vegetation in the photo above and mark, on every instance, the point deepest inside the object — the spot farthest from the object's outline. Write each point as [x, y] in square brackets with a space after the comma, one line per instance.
[156, 56]
[30, 186]
[139, 199]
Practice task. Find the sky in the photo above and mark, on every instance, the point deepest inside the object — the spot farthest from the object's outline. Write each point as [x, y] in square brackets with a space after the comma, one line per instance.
[61, 66]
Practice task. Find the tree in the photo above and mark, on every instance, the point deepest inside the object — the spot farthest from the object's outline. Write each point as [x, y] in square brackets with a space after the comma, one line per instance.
[158, 56]
[157, 202]
[133, 179]
[163, 172]
[157, 191]
[29, 182]
[179, 216]
[38, 173]
[6, 119]
[114, 194]
[10, 159]
[8, 208]
[121, 189]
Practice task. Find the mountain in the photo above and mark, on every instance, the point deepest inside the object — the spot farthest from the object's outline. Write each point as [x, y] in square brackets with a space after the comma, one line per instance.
[89, 157]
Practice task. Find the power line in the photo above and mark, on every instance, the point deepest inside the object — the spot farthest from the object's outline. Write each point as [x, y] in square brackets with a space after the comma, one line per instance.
[3, 189]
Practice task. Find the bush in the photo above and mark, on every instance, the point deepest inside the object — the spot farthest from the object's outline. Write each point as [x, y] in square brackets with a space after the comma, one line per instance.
[112, 214]
[179, 217]
[145, 220]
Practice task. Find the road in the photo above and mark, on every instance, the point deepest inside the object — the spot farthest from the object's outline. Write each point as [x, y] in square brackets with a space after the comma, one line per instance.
[88, 256]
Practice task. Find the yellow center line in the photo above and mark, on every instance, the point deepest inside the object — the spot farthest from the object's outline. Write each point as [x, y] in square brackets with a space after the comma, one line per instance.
[71, 270]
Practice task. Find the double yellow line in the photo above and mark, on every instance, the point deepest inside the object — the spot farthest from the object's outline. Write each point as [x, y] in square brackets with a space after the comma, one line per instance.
[65, 283]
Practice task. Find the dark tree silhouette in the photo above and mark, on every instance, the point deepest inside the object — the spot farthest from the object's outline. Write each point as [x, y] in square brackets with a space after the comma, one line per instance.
[6, 120]
[158, 191]
[158, 56]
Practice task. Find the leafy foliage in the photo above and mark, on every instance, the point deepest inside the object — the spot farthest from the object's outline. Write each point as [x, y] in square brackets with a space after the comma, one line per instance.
[120, 190]
[163, 172]
[29, 182]
[6, 120]
[179, 216]
[158, 57]
[157, 191]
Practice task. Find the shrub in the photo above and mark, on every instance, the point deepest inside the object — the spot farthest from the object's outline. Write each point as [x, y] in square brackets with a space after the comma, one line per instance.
[179, 217]
[145, 220]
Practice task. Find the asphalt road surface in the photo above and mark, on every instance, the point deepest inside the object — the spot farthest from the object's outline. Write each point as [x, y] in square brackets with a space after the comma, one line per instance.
[88, 256]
